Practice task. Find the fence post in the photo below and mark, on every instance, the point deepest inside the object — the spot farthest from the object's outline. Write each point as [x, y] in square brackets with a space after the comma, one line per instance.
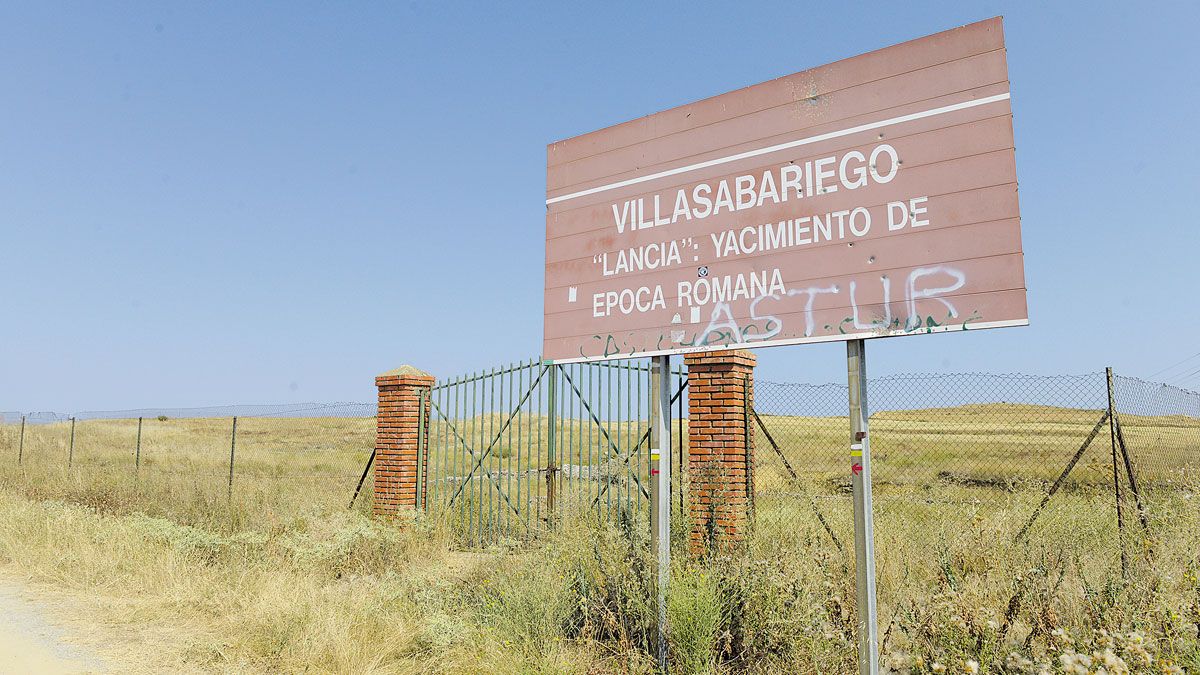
[137, 451]
[1112, 432]
[232, 449]
[551, 428]
[71, 446]
[21, 444]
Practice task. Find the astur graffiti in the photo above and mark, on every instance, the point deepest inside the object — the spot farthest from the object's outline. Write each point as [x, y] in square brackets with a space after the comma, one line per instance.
[922, 287]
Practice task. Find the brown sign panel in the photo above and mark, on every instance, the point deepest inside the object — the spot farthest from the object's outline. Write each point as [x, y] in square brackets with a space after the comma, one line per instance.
[871, 197]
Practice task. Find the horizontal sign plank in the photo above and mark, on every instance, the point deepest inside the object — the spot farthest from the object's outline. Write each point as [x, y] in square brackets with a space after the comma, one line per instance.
[872, 197]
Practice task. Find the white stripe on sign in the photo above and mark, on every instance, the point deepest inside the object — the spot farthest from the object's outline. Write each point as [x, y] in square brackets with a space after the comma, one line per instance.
[783, 146]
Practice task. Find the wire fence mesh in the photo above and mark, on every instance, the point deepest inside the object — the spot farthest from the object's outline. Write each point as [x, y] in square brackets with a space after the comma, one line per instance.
[282, 458]
[1161, 428]
[990, 492]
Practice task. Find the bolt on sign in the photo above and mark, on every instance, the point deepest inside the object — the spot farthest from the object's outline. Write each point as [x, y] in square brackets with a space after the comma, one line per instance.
[872, 197]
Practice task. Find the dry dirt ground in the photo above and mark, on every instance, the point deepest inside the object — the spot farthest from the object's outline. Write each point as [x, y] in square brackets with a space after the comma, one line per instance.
[35, 639]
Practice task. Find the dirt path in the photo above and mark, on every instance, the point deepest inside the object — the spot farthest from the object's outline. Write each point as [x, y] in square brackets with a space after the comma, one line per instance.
[32, 642]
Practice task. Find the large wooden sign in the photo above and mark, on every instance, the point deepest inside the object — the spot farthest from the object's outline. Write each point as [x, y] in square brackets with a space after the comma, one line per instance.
[871, 197]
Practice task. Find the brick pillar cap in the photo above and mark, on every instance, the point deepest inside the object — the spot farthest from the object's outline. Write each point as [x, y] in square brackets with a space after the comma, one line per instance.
[406, 371]
[743, 357]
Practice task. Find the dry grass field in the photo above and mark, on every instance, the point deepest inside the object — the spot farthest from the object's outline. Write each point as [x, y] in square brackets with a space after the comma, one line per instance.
[277, 575]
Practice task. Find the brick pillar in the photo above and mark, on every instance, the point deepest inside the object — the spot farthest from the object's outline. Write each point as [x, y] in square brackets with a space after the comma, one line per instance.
[720, 446]
[398, 433]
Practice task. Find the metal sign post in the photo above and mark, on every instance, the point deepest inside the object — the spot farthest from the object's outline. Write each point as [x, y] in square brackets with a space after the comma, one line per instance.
[660, 486]
[864, 527]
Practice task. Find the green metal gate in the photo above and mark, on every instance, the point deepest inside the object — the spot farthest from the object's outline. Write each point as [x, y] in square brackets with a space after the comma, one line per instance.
[513, 450]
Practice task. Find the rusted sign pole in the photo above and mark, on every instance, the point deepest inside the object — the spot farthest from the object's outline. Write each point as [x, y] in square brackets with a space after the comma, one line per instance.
[864, 524]
[660, 491]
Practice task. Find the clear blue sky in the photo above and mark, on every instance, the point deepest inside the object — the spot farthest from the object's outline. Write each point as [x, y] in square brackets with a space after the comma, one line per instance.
[209, 203]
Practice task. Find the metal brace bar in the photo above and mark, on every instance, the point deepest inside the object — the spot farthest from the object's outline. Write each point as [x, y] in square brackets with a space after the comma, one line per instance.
[600, 425]
[462, 441]
[1133, 484]
[796, 479]
[496, 439]
[363, 478]
[1062, 477]
[628, 457]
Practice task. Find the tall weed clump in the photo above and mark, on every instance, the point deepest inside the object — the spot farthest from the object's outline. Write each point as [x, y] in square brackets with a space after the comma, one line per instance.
[1057, 603]
[610, 589]
[593, 582]
[771, 616]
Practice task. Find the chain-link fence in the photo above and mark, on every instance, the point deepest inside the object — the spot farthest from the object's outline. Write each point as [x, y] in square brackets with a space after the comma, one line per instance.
[991, 491]
[285, 459]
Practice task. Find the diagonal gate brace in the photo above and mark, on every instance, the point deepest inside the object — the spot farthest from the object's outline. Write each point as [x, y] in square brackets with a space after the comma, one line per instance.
[628, 457]
[481, 457]
[499, 434]
[600, 425]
